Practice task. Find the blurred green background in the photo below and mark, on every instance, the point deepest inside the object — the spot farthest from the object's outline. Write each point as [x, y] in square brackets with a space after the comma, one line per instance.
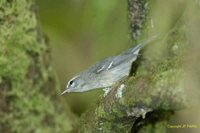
[82, 32]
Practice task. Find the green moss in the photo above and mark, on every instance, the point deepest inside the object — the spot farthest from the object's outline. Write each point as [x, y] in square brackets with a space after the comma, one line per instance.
[100, 111]
[154, 128]
[25, 74]
[14, 63]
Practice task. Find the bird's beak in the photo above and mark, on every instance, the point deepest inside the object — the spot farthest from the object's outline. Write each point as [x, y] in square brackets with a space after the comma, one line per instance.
[67, 90]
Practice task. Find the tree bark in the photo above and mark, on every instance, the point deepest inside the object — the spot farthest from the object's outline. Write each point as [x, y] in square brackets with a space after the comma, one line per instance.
[28, 98]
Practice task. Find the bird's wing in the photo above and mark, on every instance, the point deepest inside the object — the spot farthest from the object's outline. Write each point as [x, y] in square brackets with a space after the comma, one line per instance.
[102, 66]
[127, 57]
[112, 62]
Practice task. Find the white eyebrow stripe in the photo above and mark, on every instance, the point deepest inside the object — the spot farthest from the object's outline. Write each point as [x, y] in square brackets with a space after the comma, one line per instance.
[110, 65]
[71, 80]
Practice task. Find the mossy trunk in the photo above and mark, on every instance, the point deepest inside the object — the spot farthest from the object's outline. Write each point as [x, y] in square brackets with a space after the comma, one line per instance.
[28, 98]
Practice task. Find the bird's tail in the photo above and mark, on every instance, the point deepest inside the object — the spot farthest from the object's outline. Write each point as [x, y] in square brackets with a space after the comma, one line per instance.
[142, 44]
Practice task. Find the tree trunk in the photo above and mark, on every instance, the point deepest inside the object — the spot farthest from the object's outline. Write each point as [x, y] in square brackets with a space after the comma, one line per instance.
[28, 98]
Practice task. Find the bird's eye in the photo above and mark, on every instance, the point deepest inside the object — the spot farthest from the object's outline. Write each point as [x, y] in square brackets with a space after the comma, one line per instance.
[71, 83]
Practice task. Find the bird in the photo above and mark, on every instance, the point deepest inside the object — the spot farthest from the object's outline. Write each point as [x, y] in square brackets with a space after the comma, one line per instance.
[107, 72]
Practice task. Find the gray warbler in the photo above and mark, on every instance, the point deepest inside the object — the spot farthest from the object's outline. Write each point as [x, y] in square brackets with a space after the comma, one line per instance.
[107, 72]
